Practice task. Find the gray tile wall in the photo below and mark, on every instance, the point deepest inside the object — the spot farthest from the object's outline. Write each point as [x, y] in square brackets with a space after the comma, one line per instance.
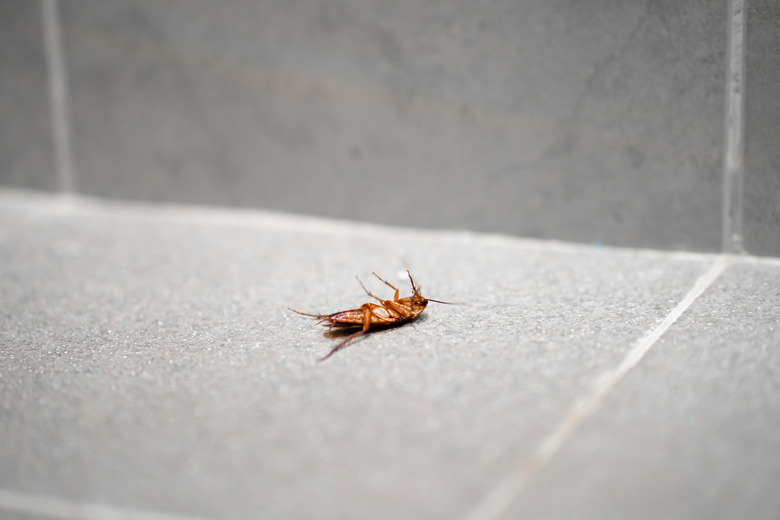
[598, 123]
[762, 129]
[26, 152]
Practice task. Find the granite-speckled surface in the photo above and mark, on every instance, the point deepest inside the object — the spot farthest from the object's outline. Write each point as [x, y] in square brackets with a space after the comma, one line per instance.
[692, 431]
[149, 363]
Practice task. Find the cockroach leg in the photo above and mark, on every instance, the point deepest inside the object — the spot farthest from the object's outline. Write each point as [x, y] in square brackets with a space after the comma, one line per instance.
[377, 298]
[367, 313]
[342, 344]
[393, 287]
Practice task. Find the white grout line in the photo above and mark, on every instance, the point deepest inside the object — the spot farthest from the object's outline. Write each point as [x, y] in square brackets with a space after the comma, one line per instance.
[51, 507]
[58, 95]
[734, 149]
[499, 499]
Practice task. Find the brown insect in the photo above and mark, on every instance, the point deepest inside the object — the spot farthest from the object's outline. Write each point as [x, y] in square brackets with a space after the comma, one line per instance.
[388, 313]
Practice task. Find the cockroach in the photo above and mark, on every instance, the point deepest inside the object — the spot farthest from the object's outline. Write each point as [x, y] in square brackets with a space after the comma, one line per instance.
[371, 316]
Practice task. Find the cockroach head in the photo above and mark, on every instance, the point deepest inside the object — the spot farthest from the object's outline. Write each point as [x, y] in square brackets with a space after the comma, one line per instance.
[418, 299]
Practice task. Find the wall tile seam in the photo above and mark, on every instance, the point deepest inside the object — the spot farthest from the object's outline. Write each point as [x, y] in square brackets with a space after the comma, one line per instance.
[58, 96]
[733, 146]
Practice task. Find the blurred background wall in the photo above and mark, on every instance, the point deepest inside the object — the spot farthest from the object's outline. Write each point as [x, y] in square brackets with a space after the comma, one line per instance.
[596, 122]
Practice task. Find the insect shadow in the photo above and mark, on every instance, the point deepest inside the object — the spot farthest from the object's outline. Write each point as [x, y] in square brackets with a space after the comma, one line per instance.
[371, 316]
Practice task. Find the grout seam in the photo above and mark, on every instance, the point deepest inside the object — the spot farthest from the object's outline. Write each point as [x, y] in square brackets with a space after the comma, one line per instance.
[734, 146]
[497, 501]
[58, 97]
[58, 508]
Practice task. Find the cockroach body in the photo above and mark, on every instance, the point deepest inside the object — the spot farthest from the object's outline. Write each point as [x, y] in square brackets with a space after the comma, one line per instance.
[388, 313]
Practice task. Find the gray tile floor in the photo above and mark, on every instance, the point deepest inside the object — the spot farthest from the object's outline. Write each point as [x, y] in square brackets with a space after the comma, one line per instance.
[149, 368]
